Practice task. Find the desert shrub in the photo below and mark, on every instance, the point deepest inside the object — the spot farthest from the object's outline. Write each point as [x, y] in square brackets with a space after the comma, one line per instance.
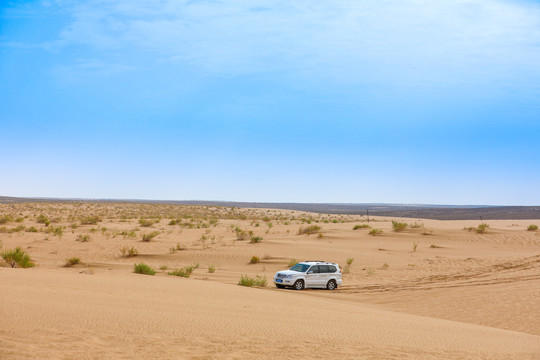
[178, 247]
[375, 232]
[56, 231]
[17, 258]
[416, 225]
[90, 220]
[256, 239]
[414, 246]
[532, 228]
[255, 260]
[292, 262]
[150, 236]
[83, 238]
[19, 228]
[211, 268]
[174, 222]
[256, 281]
[42, 219]
[434, 246]
[143, 269]
[482, 228]
[363, 226]
[146, 222]
[240, 234]
[398, 226]
[4, 219]
[312, 229]
[72, 261]
[184, 271]
[129, 252]
[31, 229]
[350, 261]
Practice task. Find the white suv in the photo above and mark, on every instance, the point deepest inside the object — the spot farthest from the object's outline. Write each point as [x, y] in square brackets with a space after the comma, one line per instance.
[310, 274]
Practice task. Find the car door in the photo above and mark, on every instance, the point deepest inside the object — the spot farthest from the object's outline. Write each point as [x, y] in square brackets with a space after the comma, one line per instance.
[324, 275]
[312, 276]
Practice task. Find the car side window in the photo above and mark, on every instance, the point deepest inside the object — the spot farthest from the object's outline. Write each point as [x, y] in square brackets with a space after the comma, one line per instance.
[332, 268]
[315, 269]
[323, 268]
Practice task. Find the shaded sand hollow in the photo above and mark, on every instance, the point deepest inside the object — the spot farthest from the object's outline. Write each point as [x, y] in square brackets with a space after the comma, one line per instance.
[456, 294]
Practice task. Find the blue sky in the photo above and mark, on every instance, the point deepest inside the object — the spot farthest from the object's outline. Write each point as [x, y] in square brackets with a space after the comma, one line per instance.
[405, 101]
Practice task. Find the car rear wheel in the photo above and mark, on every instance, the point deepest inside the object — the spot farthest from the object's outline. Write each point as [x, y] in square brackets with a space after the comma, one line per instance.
[298, 285]
[331, 285]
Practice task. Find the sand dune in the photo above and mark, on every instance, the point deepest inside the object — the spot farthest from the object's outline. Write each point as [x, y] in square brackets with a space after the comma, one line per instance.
[458, 295]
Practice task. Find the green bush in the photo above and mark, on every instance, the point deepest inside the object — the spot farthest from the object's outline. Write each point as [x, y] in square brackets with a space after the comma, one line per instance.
[146, 222]
[83, 238]
[398, 226]
[129, 252]
[31, 229]
[150, 236]
[363, 226]
[17, 258]
[292, 262]
[183, 272]
[72, 261]
[312, 229]
[375, 232]
[143, 269]
[90, 220]
[256, 239]
[532, 228]
[255, 260]
[6, 218]
[256, 281]
[211, 268]
[42, 219]
[482, 228]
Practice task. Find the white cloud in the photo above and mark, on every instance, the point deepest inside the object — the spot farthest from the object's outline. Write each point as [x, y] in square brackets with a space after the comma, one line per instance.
[345, 41]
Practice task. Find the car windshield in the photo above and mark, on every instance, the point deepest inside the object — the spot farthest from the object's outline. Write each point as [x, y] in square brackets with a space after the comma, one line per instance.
[300, 267]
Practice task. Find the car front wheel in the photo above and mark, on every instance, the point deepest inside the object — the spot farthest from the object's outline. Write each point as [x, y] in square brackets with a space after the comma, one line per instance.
[298, 285]
[331, 285]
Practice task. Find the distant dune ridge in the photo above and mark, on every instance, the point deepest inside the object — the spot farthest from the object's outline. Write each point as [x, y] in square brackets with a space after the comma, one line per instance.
[422, 211]
[125, 280]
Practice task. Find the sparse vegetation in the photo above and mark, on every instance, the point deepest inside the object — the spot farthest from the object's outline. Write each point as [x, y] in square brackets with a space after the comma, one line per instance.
[363, 226]
[31, 229]
[143, 269]
[146, 222]
[414, 246]
[90, 220]
[375, 232]
[42, 219]
[149, 236]
[256, 239]
[211, 268]
[56, 231]
[398, 226]
[433, 246]
[83, 238]
[532, 228]
[72, 261]
[480, 229]
[129, 252]
[292, 262]
[185, 271]
[255, 260]
[256, 281]
[4, 219]
[17, 258]
[312, 229]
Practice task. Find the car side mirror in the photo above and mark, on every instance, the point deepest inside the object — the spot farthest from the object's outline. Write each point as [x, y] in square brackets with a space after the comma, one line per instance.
[310, 272]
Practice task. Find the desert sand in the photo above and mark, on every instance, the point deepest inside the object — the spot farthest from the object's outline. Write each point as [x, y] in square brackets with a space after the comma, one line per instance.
[437, 289]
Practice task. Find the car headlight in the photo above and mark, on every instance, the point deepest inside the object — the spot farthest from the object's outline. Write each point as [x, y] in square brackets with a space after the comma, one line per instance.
[289, 276]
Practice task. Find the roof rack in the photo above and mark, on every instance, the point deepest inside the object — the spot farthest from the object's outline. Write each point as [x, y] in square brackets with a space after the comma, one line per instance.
[314, 261]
